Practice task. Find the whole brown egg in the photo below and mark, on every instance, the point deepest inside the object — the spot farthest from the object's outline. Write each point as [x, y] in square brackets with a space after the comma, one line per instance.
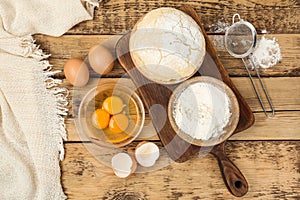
[76, 72]
[101, 60]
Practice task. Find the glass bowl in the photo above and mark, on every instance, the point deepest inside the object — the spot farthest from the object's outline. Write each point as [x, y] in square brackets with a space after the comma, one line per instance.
[133, 109]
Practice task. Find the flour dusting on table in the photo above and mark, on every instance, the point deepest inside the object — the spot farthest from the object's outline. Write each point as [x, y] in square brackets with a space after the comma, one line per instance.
[202, 111]
[219, 27]
[218, 42]
[267, 54]
[264, 31]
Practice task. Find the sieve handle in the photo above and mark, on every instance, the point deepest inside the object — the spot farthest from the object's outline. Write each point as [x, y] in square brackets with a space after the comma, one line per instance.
[263, 87]
[236, 15]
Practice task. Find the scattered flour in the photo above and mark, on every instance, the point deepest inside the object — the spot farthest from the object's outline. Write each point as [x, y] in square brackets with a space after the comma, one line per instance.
[202, 111]
[219, 27]
[264, 31]
[218, 42]
[267, 53]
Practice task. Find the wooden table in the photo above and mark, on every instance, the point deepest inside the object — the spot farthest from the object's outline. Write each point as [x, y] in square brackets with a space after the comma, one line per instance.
[268, 153]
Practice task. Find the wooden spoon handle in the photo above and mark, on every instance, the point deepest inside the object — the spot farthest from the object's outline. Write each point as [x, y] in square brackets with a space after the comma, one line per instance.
[232, 176]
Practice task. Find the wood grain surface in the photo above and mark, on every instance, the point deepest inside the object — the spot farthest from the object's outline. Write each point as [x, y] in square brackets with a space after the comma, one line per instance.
[285, 126]
[271, 168]
[284, 92]
[277, 16]
[68, 46]
[267, 153]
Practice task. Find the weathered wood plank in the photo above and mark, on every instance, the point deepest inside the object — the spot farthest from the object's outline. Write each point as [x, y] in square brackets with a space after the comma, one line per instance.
[69, 46]
[115, 17]
[284, 92]
[285, 126]
[272, 170]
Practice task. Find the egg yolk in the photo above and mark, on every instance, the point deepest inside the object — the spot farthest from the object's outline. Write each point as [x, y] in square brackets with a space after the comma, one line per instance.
[116, 137]
[113, 105]
[100, 118]
[118, 123]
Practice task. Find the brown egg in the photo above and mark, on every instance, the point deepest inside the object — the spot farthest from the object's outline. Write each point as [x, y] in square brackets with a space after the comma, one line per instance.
[101, 59]
[77, 72]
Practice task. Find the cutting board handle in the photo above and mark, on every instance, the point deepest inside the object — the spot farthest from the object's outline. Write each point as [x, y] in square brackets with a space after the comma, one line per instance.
[232, 176]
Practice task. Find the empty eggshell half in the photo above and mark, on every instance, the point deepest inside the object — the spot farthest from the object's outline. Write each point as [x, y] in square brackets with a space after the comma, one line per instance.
[123, 165]
[146, 153]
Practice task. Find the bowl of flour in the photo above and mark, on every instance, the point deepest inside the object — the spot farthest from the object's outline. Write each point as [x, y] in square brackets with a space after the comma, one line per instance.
[167, 46]
[203, 111]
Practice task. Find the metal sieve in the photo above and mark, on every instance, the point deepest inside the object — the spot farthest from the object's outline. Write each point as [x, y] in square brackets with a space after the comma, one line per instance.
[240, 42]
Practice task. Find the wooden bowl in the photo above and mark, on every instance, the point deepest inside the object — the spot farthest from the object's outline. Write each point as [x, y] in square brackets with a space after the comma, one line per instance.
[234, 110]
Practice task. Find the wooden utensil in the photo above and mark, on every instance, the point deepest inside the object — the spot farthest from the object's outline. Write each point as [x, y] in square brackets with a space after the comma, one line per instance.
[232, 176]
[153, 94]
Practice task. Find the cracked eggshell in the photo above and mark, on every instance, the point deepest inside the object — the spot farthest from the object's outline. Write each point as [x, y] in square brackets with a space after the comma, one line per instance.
[123, 165]
[146, 153]
[167, 46]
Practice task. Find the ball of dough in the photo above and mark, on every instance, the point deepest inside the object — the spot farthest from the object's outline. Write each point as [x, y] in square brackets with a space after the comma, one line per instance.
[167, 46]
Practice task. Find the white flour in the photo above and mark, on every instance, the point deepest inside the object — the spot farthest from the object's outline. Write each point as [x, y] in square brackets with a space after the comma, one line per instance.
[264, 31]
[219, 27]
[218, 42]
[267, 53]
[202, 111]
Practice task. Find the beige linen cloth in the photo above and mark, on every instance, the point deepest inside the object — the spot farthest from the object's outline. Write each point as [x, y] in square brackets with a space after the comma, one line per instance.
[32, 104]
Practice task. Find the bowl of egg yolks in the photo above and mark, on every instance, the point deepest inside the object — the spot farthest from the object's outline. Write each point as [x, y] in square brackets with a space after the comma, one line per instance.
[111, 115]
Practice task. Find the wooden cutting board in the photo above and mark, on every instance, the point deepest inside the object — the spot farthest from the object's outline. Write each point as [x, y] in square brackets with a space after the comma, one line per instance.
[153, 93]
[156, 94]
